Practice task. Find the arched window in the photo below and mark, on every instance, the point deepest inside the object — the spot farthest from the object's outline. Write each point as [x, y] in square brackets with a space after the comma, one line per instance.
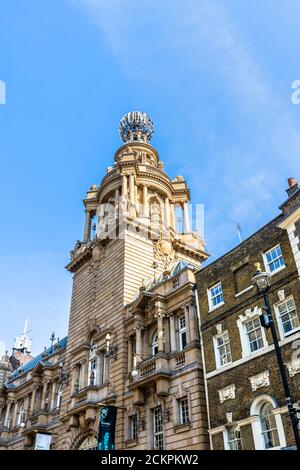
[268, 426]
[58, 396]
[21, 413]
[154, 344]
[92, 370]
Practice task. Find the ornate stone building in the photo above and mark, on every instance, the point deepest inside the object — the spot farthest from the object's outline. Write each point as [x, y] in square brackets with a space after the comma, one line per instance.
[245, 396]
[133, 338]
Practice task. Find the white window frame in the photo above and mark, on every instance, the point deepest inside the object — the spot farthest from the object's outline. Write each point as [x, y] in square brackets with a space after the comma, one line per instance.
[284, 335]
[241, 323]
[216, 350]
[267, 264]
[181, 331]
[256, 423]
[133, 428]
[154, 344]
[181, 411]
[58, 395]
[228, 441]
[210, 300]
[21, 413]
[157, 433]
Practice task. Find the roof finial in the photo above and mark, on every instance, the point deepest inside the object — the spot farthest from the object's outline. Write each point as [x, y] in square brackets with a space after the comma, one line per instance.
[136, 126]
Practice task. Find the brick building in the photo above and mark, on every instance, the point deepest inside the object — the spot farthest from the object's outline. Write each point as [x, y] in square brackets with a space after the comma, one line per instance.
[133, 338]
[245, 399]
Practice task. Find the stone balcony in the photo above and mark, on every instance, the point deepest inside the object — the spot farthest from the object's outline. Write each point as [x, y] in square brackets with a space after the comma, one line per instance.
[156, 370]
[84, 404]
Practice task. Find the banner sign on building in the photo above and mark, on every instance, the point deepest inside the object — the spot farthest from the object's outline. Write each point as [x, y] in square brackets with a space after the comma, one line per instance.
[107, 427]
[42, 441]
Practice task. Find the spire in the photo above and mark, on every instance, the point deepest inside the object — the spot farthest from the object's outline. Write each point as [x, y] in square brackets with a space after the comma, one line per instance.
[22, 342]
[25, 327]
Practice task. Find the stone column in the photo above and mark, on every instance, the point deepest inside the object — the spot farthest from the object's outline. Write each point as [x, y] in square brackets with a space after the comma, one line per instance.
[186, 217]
[136, 202]
[87, 226]
[124, 186]
[160, 332]
[193, 323]
[138, 347]
[84, 373]
[173, 332]
[33, 396]
[172, 216]
[26, 407]
[130, 354]
[131, 189]
[8, 407]
[167, 212]
[74, 378]
[14, 420]
[53, 395]
[145, 201]
[187, 323]
[117, 197]
[44, 393]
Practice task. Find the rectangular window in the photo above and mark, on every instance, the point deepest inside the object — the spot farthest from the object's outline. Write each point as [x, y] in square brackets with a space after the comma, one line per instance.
[254, 335]
[215, 296]
[158, 436]
[234, 438]
[182, 332]
[288, 316]
[223, 352]
[133, 431]
[184, 411]
[274, 260]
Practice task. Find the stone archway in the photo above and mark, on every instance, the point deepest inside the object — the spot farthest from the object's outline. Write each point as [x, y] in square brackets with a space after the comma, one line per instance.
[89, 443]
[85, 442]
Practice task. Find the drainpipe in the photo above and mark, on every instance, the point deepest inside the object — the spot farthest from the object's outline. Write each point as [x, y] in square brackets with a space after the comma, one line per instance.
[203, 360]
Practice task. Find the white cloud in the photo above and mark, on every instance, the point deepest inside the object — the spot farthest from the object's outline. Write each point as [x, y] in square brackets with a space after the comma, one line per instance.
[159, 41]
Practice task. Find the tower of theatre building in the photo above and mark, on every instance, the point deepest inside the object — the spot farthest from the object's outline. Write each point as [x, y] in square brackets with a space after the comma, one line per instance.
[133, 339]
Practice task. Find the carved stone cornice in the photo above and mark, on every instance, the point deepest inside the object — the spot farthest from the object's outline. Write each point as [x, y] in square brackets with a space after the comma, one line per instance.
[79, 260]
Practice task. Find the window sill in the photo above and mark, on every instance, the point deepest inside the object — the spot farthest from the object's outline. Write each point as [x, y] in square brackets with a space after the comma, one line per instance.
[211, 309]
[290, 333]
[277, 271]
[131, 442]
[182, 427]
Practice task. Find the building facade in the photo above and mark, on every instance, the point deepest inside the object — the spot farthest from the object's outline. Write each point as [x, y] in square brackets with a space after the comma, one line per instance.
[245, 397]
[133, 338]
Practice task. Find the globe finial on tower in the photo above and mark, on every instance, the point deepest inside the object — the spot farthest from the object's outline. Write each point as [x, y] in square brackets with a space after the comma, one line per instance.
[136, 126]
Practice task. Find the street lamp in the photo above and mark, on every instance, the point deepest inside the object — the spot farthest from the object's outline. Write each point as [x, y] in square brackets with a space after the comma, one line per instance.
[261, 280]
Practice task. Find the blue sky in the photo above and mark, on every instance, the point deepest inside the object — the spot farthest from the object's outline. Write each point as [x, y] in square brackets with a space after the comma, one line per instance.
[215, 76]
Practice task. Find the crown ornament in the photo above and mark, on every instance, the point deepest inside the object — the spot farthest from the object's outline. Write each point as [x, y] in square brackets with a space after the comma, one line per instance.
[136, 126]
